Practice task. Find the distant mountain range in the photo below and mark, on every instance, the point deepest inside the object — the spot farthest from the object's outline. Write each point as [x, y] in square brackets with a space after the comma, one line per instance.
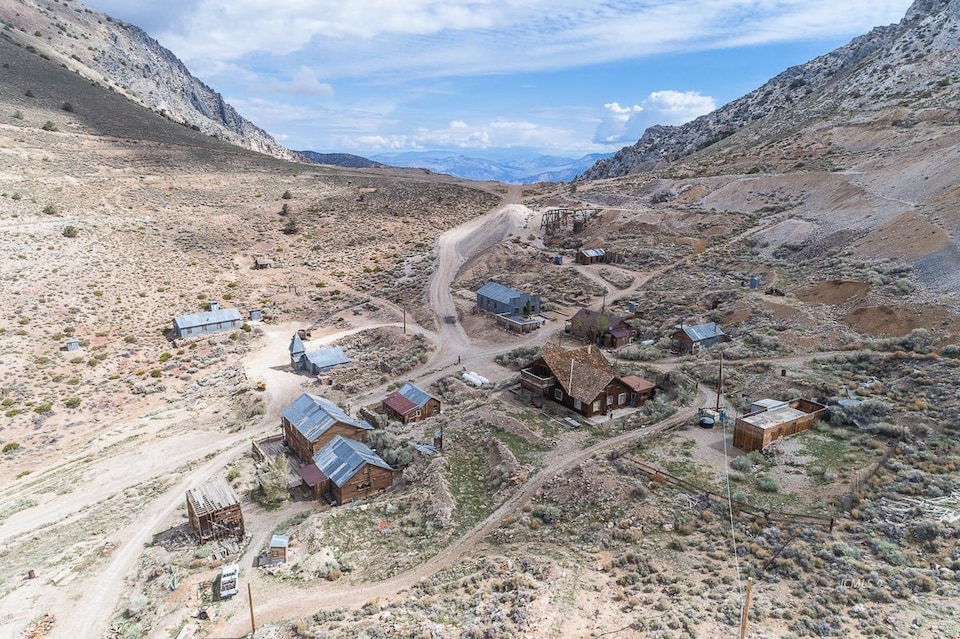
[522, 169]
[347, 160]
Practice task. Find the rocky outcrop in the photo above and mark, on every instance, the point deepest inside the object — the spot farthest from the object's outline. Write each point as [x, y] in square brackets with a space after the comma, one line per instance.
[124, 58]
[873, 71]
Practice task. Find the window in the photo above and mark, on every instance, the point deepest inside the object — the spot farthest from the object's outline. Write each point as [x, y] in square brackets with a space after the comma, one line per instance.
[622, 399]
[577, 405]
[418, 412]
[558, 394]
[609, 400]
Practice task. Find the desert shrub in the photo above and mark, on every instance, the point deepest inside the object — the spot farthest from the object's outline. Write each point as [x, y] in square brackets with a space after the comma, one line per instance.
[744, 464]
[72, 402]
[18, 115]
[49, 125]
[50, 209]
[395, 451]
[43, 408]
[767, 485]
[951, 350]
[546, 513]
[292, 227]
[68, 107]
[517, 358]
[9, 447]
[70, 231]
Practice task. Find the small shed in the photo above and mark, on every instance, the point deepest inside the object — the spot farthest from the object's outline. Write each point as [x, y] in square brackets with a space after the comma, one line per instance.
[591, 256]
[256, 315]
[278, 549]
[316, 362]
[754, 282]
[214, 511]
[72, 344]
[757, 430]
[410, 403]
[693, 339]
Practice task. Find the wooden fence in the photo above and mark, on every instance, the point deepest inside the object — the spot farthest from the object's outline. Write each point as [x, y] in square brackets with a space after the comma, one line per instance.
[660, 476]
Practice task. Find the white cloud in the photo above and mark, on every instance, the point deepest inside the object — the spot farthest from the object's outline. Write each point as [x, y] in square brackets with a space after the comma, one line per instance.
[444, 37]
[625, 125]
[303, 82]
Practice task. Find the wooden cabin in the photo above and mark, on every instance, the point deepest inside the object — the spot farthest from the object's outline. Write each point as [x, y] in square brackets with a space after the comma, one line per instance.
[311, 422]
[214, 511]
[774, 420]
[580, 379]
[410, 403]
[346, 470]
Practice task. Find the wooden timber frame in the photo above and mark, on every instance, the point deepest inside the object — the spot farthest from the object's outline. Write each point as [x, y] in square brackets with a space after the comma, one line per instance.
[214, 511]
[556, 220]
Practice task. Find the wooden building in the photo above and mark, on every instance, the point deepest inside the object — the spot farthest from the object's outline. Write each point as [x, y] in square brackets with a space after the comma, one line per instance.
[640, 389]
[693, 339]
[278, 549]
[501, 300]
[346, 470]
[601, 329]
[317, 362]
[213, 320]
[214, 511]
[774, 420]
[580, 379]
[591, 256]
[410, 403]
[311, 422]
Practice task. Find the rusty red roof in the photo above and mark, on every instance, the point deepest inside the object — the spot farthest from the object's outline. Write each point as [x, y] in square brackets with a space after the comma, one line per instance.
[311, 475]
[399, 404]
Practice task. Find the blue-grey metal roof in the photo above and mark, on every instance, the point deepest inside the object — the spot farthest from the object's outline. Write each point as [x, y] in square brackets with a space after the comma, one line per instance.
[327, 356]
[206, 318]
[280, 541]
[296, 346]
[415, 394]
[313, 416]
[498, 292]
[593, 252]
[343, 458]
[703, 331]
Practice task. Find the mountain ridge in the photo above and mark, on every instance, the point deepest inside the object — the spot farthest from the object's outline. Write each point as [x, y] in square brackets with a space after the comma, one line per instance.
[124, 58]
[852, 77]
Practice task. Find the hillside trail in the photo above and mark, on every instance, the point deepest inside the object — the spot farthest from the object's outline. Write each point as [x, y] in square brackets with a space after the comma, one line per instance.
[274, 603]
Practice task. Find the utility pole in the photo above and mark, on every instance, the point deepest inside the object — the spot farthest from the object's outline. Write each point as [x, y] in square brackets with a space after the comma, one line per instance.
[253, 622]
[746, 610]
[404, 319]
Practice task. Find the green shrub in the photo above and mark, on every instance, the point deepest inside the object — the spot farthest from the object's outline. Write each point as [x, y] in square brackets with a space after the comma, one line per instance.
[43, 408]
[287, 195]
[68, 107]
[9, 447]
[767, 485]
[49, 125]
[744, 464]
[72, 402]
[70, 231]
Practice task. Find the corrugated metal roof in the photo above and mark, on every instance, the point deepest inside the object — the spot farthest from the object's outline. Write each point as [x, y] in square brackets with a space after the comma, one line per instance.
[311, 475]
[279, 541]
[399, 404]
[593, 252]
[343, 458]
[498, 292]
[212, 496]
[313, 416]
[206, 318]
[296, 346]
[415, 394]
[703, 331]
[327, 357]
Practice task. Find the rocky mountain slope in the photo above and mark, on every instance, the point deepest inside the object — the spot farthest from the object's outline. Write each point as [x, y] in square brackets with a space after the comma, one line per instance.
[910, 64]
[123, 58]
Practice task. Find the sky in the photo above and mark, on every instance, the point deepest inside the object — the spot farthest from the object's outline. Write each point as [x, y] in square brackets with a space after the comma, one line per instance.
[490, 77]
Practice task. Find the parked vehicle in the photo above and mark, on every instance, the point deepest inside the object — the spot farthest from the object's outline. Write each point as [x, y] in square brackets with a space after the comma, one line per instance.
[229, 576]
